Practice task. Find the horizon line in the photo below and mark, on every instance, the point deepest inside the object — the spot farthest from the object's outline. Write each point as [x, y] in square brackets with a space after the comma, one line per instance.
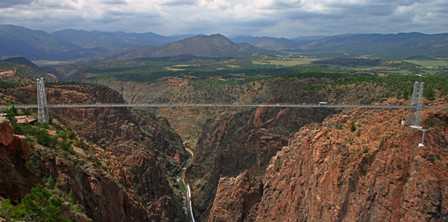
[226, 35]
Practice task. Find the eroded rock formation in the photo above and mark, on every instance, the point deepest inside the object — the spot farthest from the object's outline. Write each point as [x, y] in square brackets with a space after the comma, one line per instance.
[140, 157]
[240, 142]
[356, 166]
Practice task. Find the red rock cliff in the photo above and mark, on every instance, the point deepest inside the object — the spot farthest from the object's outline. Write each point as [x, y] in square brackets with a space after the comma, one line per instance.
[356, 166]
[236, 143]
[141, 153]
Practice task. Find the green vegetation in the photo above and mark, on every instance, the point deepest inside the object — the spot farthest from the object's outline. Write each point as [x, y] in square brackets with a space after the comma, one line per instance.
[151, 74]
[278, 164]
[214, 83]
[433, 157]
[6, 84]
[430, 63]
[44, 203]
[339, 126]
[400, 85]
[183, 187]
[23, 70]
[11, 114]
[351, 62]
[65, 142]
[353, 127]
[40, 133]
[283, 61]
[396, 76]
[37, 206]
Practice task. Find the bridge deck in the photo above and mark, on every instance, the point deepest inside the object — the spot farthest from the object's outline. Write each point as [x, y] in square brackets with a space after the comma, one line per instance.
[206, 105]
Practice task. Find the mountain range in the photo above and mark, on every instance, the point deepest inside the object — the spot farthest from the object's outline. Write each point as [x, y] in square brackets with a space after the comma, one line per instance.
[72, 44]
[215, 45]
[113, 40]
[383, 45]
[19, 41]
[78, 44]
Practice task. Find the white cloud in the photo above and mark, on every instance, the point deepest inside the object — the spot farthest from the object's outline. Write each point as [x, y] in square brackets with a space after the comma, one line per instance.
[255, 17]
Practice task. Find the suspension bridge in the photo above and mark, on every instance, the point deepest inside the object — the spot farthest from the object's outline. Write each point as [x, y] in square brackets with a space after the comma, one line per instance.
[43, 115]
[207, 105]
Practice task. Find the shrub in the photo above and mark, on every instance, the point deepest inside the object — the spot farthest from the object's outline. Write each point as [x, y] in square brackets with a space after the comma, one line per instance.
[338, 126]
[6, 84]
[44, 139]
[278, 164]
[353, 127]
[65, 145]
[11, 114]
[40, 134]
[41, 205]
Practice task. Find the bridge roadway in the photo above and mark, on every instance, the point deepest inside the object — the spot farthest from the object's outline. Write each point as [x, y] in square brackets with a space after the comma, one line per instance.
[210, 105]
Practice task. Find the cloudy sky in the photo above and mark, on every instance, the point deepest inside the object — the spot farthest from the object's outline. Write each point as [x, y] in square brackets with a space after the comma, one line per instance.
[287, 18]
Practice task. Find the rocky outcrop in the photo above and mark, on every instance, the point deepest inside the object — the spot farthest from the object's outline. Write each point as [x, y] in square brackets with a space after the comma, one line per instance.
[356, 166]
[141, 153]
[7, 135]
[236, 197]
[16, 180]
[239, 142]
[102, 198]
[247, 140]
[25, 165]
[144, 147]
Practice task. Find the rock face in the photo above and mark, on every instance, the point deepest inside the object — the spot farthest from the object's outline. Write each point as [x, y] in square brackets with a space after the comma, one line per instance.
[25, 166]
[244, 192]
[237, 143]
[356, 166]
[246, 141]
[142, 155]
[143, 147]
[7, 135]
[15, 179]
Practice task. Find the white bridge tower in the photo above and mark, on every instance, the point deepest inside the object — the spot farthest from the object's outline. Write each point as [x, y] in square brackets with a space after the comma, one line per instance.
[417, 102]
[42, 106]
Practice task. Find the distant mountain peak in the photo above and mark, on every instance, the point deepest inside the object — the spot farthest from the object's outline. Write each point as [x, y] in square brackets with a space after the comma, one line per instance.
[218, 35]
[214, 45]
[209, 37]
[21, 61]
